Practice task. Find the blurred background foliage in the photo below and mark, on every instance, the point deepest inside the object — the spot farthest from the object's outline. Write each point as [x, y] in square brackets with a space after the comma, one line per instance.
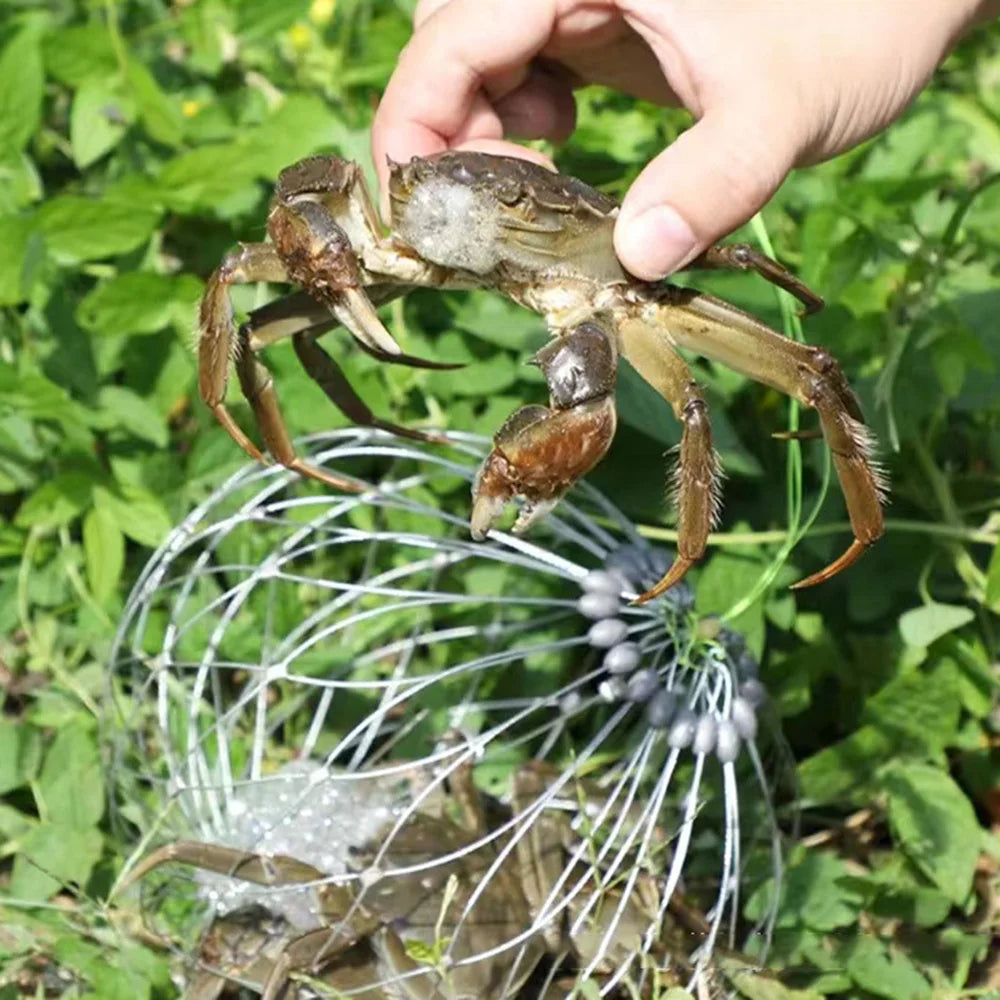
[139, 141]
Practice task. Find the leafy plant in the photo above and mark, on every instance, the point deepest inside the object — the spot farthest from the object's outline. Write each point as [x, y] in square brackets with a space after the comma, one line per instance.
[138, 142]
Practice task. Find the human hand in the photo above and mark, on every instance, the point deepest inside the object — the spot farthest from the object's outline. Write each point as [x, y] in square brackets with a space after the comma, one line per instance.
[771, 84]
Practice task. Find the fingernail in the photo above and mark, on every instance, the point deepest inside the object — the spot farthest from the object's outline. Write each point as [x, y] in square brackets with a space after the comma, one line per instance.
[656, 243]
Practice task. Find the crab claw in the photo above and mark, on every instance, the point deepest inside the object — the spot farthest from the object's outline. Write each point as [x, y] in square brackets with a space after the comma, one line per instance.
[538, 454]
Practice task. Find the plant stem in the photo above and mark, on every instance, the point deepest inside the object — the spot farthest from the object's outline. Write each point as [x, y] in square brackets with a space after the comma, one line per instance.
[959, 533]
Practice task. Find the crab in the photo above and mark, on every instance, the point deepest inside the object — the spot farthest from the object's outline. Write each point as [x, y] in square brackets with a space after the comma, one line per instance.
[467, 220]
[469, 877]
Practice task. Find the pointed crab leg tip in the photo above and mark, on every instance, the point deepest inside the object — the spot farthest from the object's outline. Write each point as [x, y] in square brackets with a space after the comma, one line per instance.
[359, 316]
[673, 576]
[480, 523]
[854, 552]
[382, 340]
[486, 511]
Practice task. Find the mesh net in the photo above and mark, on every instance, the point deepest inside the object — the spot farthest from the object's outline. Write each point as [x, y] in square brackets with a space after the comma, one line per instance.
[386, 760]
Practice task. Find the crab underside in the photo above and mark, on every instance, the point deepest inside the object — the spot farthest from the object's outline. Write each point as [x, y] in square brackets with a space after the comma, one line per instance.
[469, 220]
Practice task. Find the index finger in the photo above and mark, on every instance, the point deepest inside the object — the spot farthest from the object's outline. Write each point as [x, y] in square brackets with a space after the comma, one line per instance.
[442, 71]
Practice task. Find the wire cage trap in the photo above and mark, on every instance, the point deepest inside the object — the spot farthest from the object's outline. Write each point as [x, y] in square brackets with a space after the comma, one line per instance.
[391, 761]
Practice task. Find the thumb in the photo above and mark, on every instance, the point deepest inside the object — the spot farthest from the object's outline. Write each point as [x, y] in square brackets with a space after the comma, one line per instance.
[703, 186]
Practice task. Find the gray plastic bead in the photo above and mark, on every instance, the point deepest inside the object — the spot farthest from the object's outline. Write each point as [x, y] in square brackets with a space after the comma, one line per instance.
[600, 581]
[643, 684]
[660, 708]
[623, 658]
[727, 742]
[607, 633]
[596, 604]
[705, 734]
[754, 692]
[569, 704]
[682, 731]
[613, 689]
[747, 666]
[744, 717]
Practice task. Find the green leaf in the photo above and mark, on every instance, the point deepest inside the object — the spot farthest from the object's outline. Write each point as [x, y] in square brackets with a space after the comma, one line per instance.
[15, 231]
[121, 407]
[71, 783]
[97, 121]
[423, 953]
[629, 136]
[18, 754]
[80, 229]
[302, 124]
[136, 511]
[846, 768]
[818, 893]
[132, 975]
[754, 986]
[886, 973]
[921, 626]
[80, 53]
[498, 322]
[935, 825]
[918, 709]
[20, 184]
[159, 113]
[140, 302]
[56, 502]
[993, 579]
[52, 856]
[915, 713]
[205, 177]
[642, 407]
[726, 579]
[480, 379]
[30, 394]
[104, 553]
[22, 82]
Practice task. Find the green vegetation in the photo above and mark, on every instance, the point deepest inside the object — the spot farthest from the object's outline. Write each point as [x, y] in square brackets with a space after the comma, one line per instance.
[138, 142]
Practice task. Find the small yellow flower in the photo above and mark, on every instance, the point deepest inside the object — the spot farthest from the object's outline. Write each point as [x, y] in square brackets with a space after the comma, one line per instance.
[190, 108]
[321, 11]
[300, 35]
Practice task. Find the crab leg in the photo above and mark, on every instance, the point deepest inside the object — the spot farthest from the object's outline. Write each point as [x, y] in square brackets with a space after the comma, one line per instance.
[261, 869]
[809, 374]
[258, 387]
[696, 484]
[219, 342]
[313, 950]
[299, 312]
[319, 257]
[744, 257]
[326, 373]
[302, 952]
